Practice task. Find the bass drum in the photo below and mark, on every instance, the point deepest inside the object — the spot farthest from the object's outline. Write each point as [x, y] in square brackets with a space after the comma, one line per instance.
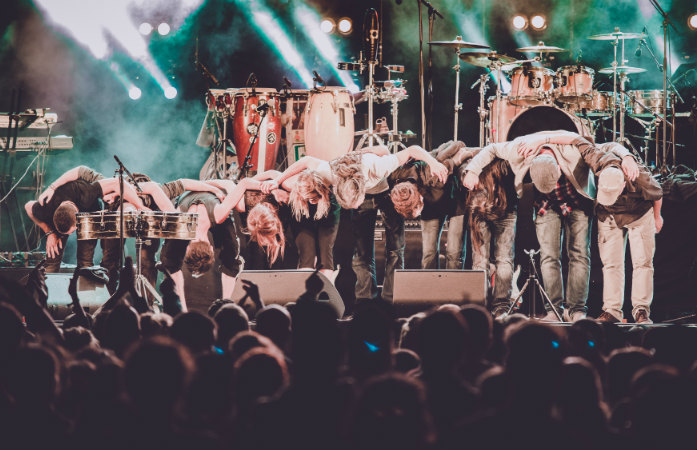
[501, 115]
[546, 118]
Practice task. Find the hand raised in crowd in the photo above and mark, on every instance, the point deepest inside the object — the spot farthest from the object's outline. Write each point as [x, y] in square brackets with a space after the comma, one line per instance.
[53, 245]
[46, 195]
[630, 167]
[252, 291]
[471, 180]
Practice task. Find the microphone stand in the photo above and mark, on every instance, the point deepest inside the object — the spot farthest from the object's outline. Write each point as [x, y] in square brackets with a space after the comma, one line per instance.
[432, 13]
[120, 171]
[246, 165]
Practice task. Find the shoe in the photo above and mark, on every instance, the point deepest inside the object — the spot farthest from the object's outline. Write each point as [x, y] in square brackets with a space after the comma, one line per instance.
[551, 317]
[574, 316]
[499, 311]
[642, 317]
[607, 317]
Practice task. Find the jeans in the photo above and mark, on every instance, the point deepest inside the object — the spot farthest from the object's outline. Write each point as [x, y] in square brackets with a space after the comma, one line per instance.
[499, 235]
[430, 236]
[363, 224]
[575, 228]
[315, 242]
[85, 254]
[612, 243]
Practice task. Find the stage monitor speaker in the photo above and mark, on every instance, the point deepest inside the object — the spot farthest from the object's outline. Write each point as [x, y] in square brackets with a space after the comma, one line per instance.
[284, 286]
[422, 289]
[92, 294]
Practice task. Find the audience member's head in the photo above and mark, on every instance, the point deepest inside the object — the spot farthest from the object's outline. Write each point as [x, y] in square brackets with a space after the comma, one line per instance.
[77, 338]
[11, 331]
[155, 324]
[259, 373]
[622, 364]
[444, 342]
[244, 341]
[406, 361]
[33, 377]
[370, 341]
[481, 326]
[316, 344]
[274, 322]
[121, 329]
[195, 330]
[231, 319]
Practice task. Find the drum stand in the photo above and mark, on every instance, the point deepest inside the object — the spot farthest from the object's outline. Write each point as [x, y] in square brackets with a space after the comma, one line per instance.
[395, 138]
[483, 113]
[370, 137]
[141, 282]
[532, 278]
[457, 106]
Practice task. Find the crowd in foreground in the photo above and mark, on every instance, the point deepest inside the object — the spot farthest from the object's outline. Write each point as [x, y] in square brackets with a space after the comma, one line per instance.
[451, 377]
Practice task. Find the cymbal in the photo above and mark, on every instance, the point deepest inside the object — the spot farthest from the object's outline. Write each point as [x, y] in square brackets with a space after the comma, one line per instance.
[458, 43]
[616, 35]
[541, 48]
[622, 69]
[485, 59]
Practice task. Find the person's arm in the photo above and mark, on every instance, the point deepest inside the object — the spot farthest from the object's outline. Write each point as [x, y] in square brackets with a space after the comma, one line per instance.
[479, 162]
[657, 204]
[379, 150]
[158, 195]
[267, 175]
[306, 162]
[201, 186]
[79, 172]
[528, 145]
[53, 240]
[438, 170]
[130, 195]
[235, 193]
[629, 163]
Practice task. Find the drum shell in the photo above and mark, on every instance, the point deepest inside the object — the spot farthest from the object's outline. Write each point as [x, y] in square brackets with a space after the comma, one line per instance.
[168, 225]
[245, 120]
[652, 102]
[293, 119]
[501, 115]
[149, 224]
[329, 126]
[531, 85]
[574, 84]
[546, 118]
[105, 225]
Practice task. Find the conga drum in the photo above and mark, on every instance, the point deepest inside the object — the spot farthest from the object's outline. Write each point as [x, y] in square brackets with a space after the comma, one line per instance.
[246, 122]
[329, 127]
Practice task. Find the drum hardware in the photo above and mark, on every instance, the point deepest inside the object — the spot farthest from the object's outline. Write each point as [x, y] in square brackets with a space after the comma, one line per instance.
[394, 92]
[481, 110]
[458, 44]
[534, 282]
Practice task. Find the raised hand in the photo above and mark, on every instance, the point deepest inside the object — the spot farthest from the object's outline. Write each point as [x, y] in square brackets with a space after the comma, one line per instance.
[252, 291]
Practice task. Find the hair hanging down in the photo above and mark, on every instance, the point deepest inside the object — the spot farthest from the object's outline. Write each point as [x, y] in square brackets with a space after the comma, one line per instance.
[199, 257]
[406, 199]
[309, 184]
[489, 200]
[350, 184]
[64, 217]
[266, 229]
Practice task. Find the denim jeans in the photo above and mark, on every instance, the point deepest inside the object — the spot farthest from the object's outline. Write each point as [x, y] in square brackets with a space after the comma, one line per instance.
[85, 254]
[612, 242]
[363, 224]
[575, 229]
[498, 235]
[430, 240]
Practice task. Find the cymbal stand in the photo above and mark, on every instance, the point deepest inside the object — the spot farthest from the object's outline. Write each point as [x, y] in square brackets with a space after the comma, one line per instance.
[532, 278]
[499, 95]
[483, 113]
[457, 106]
[370, 137]
[623, 81]
[395, 138]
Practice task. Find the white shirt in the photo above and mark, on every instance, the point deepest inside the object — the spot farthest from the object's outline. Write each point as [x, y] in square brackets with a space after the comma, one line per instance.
[376, 169]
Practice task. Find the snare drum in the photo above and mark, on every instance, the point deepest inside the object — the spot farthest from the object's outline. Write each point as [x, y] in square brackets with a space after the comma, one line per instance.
[531, 85]
[168, 225]
[574, 84]
[646, 103]
[329, 127]
[105, 225]
[245, 123]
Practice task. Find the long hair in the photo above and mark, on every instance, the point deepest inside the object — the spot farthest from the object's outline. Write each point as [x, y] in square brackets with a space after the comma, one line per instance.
[350, 184]
[309, 184]
[266, 228]
[489, 200]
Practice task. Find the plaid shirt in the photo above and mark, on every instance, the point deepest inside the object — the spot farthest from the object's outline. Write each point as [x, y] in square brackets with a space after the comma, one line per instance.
[562, 199]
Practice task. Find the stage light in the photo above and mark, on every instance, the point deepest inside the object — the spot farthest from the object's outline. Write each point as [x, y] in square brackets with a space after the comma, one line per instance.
[145, 28]
[692, 21]
[538, 22]
[345, 25]
[134, 93]
[170, 92]
[327, 25]
[520, 22]
[163, 29]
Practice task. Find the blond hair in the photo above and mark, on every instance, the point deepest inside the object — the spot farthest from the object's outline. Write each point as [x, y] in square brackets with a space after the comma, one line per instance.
[309, 184]
[350, 185]
[266, 229]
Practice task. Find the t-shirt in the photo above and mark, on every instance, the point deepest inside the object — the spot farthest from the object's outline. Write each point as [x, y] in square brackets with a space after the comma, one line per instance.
[86, 196]
[376, 170]
[207, 199]
[636, 199]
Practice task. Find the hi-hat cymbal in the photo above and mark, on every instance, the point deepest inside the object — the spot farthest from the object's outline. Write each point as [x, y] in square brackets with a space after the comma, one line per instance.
[616, 35]
[458, 43]
[622, 69]
[485, 59]
[541, 48]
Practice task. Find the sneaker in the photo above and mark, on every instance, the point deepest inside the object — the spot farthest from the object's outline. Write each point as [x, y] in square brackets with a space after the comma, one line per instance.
[499, 311]
[642, 317]
[574, 316]
[607, 317]
[551, 317]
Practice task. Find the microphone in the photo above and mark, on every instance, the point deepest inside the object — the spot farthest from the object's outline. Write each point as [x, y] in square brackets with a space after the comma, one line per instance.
[371, 34]
[317, 78]
[286, 83]
[263, 108]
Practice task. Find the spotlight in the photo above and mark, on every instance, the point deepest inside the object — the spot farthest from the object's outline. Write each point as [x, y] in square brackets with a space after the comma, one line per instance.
[692, 21]
[327, 26]
[538, 22]
[345, 25]
[134, 93]
[163, 28]
[170, 92]
[520, 22]
[145, 28]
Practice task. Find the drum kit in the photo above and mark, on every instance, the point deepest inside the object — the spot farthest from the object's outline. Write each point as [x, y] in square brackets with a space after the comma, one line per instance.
[141, 225]
[542, 99]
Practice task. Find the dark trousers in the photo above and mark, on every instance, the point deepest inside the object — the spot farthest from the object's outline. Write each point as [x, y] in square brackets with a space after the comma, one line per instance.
[85, 254]
[110, 260]
[363, 224]
[315, 241]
